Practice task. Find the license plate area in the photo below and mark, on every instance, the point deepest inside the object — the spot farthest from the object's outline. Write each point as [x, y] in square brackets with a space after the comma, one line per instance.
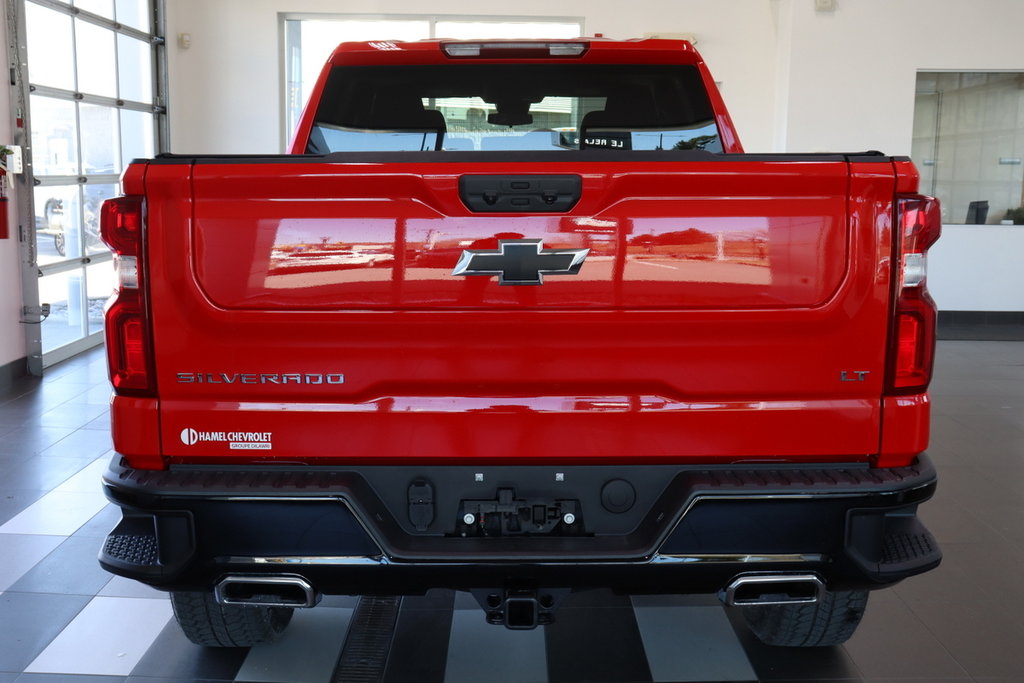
[507, 515]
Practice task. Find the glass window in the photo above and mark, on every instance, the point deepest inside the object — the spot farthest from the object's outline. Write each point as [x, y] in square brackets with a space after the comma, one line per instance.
[93, 196]
[58, 223]
[514, 107]
[468, 30]
[66, 294]
[969, 144]
[80, 144]
[309, 42]
[134, 13]
[134, 69]
[100, 153]
[50, 58]
[315, 39]
[136, 136]
[104, 8]
[95, 59]
[100, 280]
[54, 136]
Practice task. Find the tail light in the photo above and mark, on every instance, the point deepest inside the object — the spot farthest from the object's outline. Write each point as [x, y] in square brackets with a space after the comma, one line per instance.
[129, 347]
[912, 350]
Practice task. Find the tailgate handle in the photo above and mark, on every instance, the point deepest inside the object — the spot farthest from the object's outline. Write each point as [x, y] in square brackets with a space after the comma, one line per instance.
[520, 193]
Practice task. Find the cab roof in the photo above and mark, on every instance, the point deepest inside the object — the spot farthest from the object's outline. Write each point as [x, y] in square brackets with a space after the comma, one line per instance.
[590, 50]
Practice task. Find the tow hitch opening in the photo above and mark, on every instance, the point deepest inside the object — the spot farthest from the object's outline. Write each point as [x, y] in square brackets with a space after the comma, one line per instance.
[520, 608]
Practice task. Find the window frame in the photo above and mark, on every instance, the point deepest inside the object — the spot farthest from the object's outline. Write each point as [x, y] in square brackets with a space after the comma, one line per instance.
[927, 163]
[288, 33]
[25, 184]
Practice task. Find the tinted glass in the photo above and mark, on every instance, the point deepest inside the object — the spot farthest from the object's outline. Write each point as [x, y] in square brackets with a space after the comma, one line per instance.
[514, 107]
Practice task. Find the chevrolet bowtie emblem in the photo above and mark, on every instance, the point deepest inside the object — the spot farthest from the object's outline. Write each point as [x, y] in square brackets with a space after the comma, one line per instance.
[520, 262]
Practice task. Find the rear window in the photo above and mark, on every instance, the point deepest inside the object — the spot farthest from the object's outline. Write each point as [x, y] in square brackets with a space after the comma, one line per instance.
[488, 107]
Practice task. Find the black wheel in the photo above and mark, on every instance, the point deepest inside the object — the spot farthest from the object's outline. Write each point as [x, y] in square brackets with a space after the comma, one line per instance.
[830, 621]
[205, 622]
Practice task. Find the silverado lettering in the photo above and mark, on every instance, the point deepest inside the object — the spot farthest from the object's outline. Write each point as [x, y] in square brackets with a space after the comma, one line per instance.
[724, 390]
[257, 378]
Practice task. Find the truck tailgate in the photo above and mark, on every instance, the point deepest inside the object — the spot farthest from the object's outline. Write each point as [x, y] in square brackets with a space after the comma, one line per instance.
[730, 310]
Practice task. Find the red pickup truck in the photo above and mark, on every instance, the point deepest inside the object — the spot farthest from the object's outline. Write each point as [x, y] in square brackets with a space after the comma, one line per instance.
[520, 318]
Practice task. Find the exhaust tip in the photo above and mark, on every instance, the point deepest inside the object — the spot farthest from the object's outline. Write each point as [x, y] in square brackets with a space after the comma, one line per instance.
[774, 589]
[266, 591]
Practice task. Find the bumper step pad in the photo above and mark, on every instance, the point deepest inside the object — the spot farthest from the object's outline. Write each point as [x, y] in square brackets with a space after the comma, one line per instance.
[133, 549]
[905, 549]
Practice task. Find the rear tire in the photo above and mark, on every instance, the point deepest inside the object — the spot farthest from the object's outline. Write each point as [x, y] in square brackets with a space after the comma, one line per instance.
[206, 622]
[830, 621]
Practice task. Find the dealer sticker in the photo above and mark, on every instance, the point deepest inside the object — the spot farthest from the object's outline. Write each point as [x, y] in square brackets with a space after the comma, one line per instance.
[237, 441]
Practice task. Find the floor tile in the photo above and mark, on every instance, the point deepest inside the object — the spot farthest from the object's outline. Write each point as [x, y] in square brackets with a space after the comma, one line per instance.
[101, 523]
[32, 440]
[419, 646]
[888, 632]
[594, 643]
[38, 473]
[71, 569]
[306, 652]
[120, 587]
[82, 443]
[480, 651]
[67, 678]
[979, 634]
[57, 513]
[70, 414]
[98, 395]
[101, 423]
[173, 657]
[21, 552]
[88, 480]
[14, 501]
[128, 627]
[692, 644]
[31, 621]
[793, 663]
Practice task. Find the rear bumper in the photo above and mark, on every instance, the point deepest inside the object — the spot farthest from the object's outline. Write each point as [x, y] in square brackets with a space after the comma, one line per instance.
[369, 530]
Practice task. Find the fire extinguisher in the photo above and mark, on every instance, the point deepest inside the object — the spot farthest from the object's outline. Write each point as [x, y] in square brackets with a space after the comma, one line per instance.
[4, 232]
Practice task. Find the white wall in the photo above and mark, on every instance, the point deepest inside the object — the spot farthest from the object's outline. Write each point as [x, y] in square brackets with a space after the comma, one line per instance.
[12, 336]
[852, 73]
[977, 268]
[225, 89]
[795, 79]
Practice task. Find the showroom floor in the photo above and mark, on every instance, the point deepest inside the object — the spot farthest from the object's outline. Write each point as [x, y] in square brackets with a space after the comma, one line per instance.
[63, 619]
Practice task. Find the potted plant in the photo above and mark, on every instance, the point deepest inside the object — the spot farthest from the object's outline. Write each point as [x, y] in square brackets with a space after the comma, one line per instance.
[1015, 215]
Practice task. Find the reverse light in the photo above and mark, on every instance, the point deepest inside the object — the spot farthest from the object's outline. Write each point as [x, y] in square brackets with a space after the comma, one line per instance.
[512, 49]
[920, 223]
[127, 268]
[912, 348]
[129, 347]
